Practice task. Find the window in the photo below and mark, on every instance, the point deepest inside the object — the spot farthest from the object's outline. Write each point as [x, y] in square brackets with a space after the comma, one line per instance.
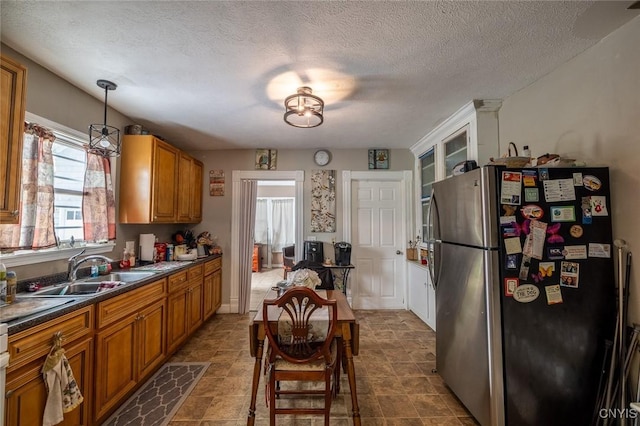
[69, 164]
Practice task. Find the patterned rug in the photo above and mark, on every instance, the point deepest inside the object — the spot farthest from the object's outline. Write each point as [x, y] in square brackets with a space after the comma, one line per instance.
[155, 403]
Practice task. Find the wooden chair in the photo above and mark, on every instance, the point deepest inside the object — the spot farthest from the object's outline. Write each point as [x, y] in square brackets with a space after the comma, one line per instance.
[298, 351]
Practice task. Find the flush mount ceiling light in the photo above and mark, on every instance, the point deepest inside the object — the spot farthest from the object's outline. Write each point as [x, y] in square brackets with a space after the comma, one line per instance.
[303, 109]
[103, 139]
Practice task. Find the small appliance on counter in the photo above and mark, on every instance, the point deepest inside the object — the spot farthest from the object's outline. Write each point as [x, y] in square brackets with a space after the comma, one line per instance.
[343, 253]
[313, 250]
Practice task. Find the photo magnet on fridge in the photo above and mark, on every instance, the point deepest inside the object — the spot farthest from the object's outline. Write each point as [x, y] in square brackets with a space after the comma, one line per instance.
[585, 205]
[510, 285]
[555, 253]
[511, 261]
[531, 195]
[530, 177]
[554, 294]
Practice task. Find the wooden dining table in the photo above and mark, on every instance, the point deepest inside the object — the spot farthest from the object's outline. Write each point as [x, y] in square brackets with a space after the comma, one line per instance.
[347, 330]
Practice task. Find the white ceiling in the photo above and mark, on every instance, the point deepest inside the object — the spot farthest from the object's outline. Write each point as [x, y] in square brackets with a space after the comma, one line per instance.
[214, 75]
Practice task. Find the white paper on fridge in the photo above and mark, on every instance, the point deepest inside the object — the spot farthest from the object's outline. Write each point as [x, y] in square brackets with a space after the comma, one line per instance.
[599, 250]
[534, 246]
[512, 245]
[559, 190]
[511, 188]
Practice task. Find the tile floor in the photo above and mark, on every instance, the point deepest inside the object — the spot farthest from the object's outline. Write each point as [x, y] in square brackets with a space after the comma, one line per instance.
[395, 382]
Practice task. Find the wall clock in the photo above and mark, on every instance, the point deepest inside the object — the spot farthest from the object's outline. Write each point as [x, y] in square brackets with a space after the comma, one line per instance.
[322, 157]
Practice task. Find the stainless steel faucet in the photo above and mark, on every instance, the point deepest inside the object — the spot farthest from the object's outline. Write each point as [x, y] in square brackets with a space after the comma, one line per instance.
[74, 263]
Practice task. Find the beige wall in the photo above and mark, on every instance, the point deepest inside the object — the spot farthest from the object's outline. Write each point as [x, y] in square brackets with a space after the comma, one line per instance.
[589, 109]
[217, 210]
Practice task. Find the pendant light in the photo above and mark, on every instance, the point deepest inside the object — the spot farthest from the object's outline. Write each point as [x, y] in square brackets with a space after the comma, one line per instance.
[104, 139]
[304, 109]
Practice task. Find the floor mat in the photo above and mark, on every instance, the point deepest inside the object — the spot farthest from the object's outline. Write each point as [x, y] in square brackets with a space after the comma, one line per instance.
[159, 398]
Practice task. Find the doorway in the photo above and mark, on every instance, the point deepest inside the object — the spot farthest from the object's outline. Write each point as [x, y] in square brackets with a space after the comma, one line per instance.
[377, 212]
[297, 176]
[274, 229]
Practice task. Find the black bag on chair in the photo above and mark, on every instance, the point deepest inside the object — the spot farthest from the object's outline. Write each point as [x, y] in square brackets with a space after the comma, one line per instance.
[323, 272]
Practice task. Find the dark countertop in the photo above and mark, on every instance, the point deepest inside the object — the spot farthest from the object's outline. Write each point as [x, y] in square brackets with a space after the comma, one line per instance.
[75, 303]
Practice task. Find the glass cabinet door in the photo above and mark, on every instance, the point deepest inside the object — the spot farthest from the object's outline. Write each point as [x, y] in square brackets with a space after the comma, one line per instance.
[455, 150]
[427, 178]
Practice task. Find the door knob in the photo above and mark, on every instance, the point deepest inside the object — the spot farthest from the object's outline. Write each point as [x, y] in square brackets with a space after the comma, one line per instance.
[398, 252]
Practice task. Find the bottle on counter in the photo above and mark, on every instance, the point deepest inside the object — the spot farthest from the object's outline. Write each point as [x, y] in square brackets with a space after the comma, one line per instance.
[12, 286]
[3, 282]
[94, 269]
[169, 252]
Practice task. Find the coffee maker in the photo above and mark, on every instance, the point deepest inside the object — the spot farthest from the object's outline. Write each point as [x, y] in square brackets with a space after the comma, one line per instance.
[343, 253]
[313, 251]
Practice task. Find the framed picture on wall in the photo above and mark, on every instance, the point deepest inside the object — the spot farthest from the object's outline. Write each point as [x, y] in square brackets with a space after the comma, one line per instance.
[378, 159]
[266, 159]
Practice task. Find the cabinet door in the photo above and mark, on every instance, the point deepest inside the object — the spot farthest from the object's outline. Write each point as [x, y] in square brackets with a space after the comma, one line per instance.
[27, 395]
[455, 149]
[194, 310]
[184, 188]
[12, 104]
[151, 333]
[418, 291]
[217, 290]
[208, 294]
[115, 364]
[177, 330]
[196, 191]
[165, 177]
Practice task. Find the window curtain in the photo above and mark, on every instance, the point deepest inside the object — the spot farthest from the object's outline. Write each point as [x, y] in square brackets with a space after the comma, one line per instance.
[248, 195]
[262, 222]
[98, 202]
[35, 229]
[283, 226]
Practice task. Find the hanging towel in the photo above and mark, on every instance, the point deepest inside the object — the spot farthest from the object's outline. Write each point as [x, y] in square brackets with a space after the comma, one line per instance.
[63, 392]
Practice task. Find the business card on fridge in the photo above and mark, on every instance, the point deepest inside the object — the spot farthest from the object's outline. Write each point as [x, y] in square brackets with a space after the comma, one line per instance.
[575, 252]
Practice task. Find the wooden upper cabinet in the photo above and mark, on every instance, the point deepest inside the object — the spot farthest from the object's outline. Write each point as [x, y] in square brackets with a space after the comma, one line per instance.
[156, 182]
[189, 189]
[197, 174]
[12, 106]
[165, 188]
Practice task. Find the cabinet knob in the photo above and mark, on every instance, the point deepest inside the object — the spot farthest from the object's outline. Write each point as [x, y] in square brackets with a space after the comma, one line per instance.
[15, 212]
[9, 393]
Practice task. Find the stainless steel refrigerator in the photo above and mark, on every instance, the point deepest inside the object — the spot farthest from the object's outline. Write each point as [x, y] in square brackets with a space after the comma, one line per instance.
[525, 300]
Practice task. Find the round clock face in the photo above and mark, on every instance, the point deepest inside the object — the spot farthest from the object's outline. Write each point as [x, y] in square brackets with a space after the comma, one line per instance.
[322, 157]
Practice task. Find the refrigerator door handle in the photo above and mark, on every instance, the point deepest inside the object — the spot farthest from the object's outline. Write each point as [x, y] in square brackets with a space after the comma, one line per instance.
[431, 241]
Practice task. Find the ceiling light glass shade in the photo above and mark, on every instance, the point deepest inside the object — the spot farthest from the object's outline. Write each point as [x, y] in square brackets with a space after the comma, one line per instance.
[104, 139]
[304, 109]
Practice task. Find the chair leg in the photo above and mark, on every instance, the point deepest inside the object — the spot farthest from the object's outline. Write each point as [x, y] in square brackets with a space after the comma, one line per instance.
[272, 400]
[328, 396]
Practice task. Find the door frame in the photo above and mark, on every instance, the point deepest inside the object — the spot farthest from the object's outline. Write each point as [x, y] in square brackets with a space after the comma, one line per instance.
[237, 176]
[405, 177]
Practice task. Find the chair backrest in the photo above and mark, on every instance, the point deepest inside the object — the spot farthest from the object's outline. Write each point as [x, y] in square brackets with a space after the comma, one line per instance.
[288, 255]
[302, 342]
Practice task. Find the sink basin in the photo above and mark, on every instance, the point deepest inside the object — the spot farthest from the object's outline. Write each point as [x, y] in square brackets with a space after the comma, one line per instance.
[127, 277]
[74, 289]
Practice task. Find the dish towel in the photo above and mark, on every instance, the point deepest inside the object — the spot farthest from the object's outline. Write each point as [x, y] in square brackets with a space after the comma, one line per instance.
[63, 392]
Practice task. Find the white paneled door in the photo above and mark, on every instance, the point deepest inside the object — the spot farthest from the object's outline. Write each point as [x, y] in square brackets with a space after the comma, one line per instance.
[377, 231]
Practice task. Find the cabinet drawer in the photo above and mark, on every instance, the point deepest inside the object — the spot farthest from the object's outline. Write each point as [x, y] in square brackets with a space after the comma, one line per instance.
[195, 273]
[212, 265]
[178, 282]
[123, 305]
[35, 342]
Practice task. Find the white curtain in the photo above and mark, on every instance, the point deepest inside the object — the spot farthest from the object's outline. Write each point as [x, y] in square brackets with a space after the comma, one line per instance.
[262, 222]
[283, 219]
[248, 195]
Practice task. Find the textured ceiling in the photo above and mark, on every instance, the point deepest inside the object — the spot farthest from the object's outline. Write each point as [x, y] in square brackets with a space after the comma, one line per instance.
[213, 75]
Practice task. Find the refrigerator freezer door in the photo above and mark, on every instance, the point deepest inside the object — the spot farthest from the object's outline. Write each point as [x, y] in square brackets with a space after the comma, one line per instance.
[468, 349]
[468, 204]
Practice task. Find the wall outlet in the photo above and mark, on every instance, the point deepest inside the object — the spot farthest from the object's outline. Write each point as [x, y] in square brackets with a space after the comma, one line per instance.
[310, 238]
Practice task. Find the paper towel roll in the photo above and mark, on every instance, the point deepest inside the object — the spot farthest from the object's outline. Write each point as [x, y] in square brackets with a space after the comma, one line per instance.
[146, 246]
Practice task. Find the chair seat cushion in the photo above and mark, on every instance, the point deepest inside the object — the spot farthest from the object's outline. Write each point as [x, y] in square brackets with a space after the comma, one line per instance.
[317, 365]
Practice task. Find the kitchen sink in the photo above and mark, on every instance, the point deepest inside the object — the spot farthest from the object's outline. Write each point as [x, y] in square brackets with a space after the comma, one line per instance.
[127, 277]
[73, 289]
[91, 286]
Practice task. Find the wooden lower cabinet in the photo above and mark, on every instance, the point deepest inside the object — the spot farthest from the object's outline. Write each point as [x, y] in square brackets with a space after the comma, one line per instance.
[126, 352]
[212, 287]
[27, 395]
[185, 311]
